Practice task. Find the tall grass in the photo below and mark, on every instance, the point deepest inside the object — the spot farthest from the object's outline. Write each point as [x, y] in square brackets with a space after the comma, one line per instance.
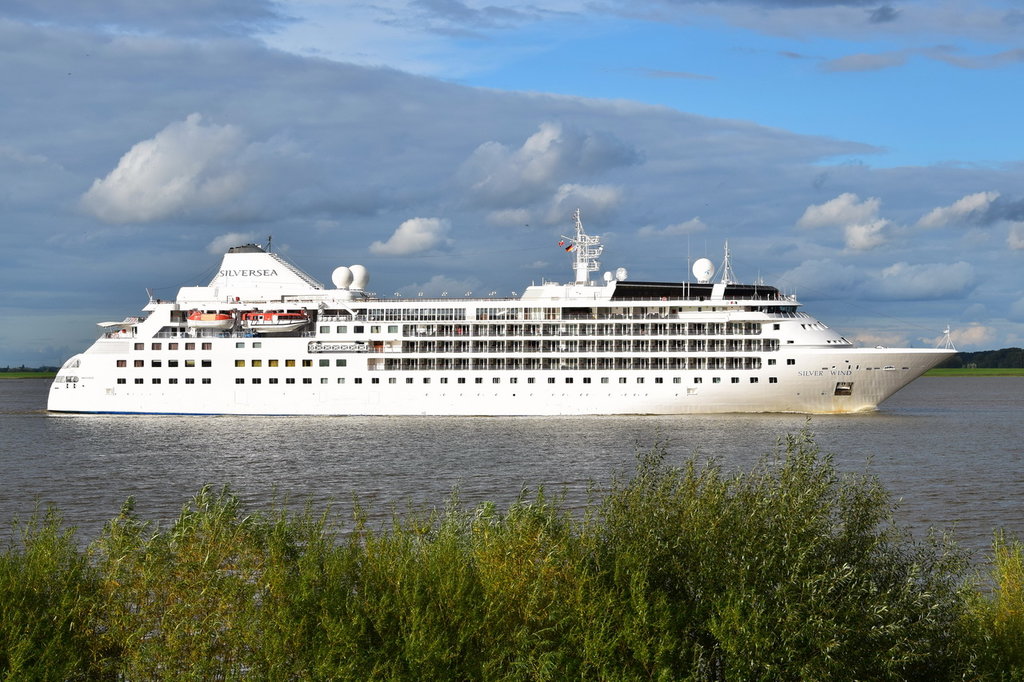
[791, 570]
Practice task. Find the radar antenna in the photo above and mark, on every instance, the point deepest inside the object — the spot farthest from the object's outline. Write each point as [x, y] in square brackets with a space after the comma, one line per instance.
[727, 275]
[947, 341]
[587, 249]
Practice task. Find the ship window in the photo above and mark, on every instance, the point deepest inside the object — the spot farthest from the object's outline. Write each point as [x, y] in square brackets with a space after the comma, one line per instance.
[375, 380]
[426, 380]
[392, 380]
[639, 380]
[289, 363]
[207, 363]
[340, 363]
[140, 363]
[551, 380]
[462, 380]
[140, 346]
[659, 380]
[358, 380]
[272, 363]
[255, 363]
[172, 346]
[172, 363]
[408, 380]
[753, 380]
[307, 380]
[568, 380]
[325, 363]
[138, 381]
[734, 380]
[530, 380]
[256, 381]
[773, 380]
[790, 361]
[323, 380]
[677, 380]
[478, 380]
[206, 380]
[307, 363]
[257, 344]
[622, 380]
[771, 361]
[190, 380]
[844, 388]
[189, 345]
[716, 380]
[496, 380]
[239, 344]
[341, 380]
[358, 329]
[375, 329]
[586, 380]
[392, 329]
[341, 329]
[324, 329]
[122, 380]
[239, 363]
[444, 380]
[156, 363]
[190, 363]
[272, 380]
[698, 380]
[775, 326]
[207, 345]
[290, 380]
[604, 380]
[239, 380]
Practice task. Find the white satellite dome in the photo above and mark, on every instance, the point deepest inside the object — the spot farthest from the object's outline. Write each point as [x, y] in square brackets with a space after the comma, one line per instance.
[342, 277]
[621, 274]
[359, 277]
[703, 270]
[608, 277]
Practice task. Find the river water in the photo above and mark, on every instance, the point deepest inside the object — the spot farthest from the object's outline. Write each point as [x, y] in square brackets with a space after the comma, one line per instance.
[949, 448]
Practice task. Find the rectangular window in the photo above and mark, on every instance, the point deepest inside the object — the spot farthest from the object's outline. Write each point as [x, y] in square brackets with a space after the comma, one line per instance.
[790, 361]
[207, 363]
[677, 380]
[462, 380]
[341, 329]
[156, 381]
[444, 380]
[426, 380]
[392, 380]
[659, 380]
[255, 363]
[341, 363]
[290, 380]
[257, 380]
[289, 363]
[172, 381]
[753, 380]
[307, 380]
[568, 380]
[122, 380]
[358, 380]
[773, 380]
[190, 380]
[771, 361]
[478, 380]
[257, 344]
[239, 380]
[323, 380]
[716, 380]
[698, 380]
[207, 345]
[307, 363]
[272, 363]
[157, 346]
[206, 380]
[239, 363]
[358, 329]
[495, 380]
[172, 363]
[140, 346]
[172, 346]
[374, 380]
[551, 380]
[140, 363]
[325, 329]
[341, 380]
[272, 380]
[639, 380]
[156, 363]
[325, 362]
[189, 345]
[239, 344]
[375, 329]
[190, 363]
[138, 381]
[392, 329]
[622, 380]
[604, 380]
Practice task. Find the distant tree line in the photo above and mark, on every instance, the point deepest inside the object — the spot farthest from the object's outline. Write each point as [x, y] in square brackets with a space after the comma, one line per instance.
[23, 368]
[988, 359]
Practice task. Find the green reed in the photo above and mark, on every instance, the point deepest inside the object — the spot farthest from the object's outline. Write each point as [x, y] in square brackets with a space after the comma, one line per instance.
[791, 570]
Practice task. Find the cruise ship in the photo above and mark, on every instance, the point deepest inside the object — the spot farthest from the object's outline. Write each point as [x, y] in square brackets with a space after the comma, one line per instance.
[265, 338]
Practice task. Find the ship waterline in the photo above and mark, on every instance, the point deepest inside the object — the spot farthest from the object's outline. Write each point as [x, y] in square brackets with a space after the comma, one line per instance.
[610, 347]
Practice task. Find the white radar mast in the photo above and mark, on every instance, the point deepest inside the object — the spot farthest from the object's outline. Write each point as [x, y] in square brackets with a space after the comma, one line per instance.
[587, 250]
[727, 275]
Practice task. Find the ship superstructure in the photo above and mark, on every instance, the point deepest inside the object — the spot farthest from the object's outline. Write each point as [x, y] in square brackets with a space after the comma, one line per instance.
[264, 337]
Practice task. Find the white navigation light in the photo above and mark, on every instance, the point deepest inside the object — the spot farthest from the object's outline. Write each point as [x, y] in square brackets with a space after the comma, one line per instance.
[342, 277]
[621, 274]
[703, 270]
[359, 277]
[608, 277]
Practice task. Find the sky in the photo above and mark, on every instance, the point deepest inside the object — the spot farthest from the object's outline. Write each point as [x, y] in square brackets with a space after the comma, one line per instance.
[865, 156]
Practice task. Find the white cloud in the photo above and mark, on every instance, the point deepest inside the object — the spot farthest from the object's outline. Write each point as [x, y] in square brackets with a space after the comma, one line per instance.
[440, 286]
[225, 241]
[184, 167]
[1015, 239]
[588, 198]
[822, 279]
[688, 227]
[862, 228]
[903, 281]
[960, 209]
[413, 236]
[549, 157]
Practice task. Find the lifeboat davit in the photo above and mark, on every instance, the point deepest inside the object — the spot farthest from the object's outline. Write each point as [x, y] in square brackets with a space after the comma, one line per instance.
[274, 321]
[197, 319]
